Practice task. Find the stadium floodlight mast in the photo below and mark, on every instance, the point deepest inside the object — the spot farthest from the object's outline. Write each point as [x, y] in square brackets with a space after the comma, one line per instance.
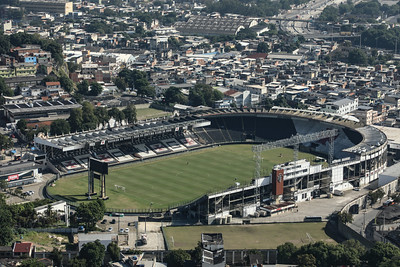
[292, 141]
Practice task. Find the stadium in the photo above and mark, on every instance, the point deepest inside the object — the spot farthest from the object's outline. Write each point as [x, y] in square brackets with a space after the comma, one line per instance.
[355, 155]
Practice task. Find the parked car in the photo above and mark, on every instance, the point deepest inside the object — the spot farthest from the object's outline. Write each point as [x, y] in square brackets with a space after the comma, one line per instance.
[81, 228]
[104, 221]
[121, 230]
[126, 230]
[109, 229]
[112, 221]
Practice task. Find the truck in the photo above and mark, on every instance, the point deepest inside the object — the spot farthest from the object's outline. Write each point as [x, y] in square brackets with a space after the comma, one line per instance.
[338, 192]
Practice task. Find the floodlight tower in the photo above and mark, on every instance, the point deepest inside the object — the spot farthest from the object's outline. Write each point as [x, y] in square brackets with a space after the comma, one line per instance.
[292, 141]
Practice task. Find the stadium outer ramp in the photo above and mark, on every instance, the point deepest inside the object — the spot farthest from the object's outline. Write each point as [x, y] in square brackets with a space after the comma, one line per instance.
[360, 155]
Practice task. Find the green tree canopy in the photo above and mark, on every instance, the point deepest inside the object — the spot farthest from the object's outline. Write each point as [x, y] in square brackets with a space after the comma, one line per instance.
[177, 258]
[59, 126]
[31, 262]
[113, 251]
[381, 252]
[22, 125]
[57, 257]
[93, 253]
[76, 120]
[5, 142]
[203, 94]
[130, 113]
[91, 212]
[102, 115]
[262, 47]
[83, 87]
[4, 89]
[95, 89]
[90, 121]
[286, 253]
[174, 95]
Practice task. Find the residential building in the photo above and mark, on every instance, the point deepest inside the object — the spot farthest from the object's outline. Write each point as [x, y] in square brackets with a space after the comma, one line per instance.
[51, 6]
[341, 107]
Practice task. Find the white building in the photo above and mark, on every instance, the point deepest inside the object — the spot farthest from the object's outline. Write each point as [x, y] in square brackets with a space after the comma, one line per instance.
[341, 107]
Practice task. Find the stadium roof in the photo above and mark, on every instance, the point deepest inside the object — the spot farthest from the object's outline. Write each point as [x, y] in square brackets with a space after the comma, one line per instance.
[41, 106]
[86, 139]
[16, 166]
[373, 138]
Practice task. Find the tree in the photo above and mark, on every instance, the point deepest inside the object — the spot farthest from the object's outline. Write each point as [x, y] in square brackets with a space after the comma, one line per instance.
[177, 258]
[76, 262]
[6, 232]
[286, 253]
[5, 142]
[262, 47]
[147, 90]
[4, 89]
[59, 126]
[306, 260]
[320, 251]
[91, 212]
[130, 113]
[102, 115]
[89, 120]
[6, 235]
[357, 56]
[374, 196]
[120, 83]
[21, 125]
[393, 262]
[66, 83]
[31, 262]
[93, 253]
[174, 95]
[345, 217]
[354, 252]
[76, 120]
[330, 13]
[197, 253]
[57, 257]
[381, 252]
[83, 87]
[3, 184]
[203, 94]
[95, 89]
[113, 251]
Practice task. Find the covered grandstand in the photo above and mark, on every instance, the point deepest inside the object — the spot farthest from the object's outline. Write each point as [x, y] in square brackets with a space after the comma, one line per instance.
[70, 153]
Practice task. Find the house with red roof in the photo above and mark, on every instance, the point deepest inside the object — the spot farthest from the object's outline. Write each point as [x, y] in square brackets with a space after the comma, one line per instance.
[23, 249]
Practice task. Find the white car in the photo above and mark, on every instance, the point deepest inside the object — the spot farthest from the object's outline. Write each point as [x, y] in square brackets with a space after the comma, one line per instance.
[121, 230]
[109, 229]
[126, 230]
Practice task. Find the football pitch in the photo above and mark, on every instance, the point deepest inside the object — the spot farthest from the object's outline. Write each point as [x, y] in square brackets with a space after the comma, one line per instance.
[257, 236]
[176, 179]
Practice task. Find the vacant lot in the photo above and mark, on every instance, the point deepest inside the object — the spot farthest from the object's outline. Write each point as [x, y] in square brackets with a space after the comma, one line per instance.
[176, 179]
[259, 236]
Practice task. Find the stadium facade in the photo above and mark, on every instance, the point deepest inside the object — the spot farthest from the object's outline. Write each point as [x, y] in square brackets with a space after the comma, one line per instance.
[358, 154]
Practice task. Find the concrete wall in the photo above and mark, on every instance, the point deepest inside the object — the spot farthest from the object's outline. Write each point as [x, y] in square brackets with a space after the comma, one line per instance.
[349, 233]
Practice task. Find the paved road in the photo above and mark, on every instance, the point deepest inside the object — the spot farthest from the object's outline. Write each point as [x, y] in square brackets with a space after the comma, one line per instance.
[323, 207]
[36, 187]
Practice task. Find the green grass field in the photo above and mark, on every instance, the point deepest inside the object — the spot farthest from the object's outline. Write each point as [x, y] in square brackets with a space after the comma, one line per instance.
[259, 236]
[149, 113]
[176, 179]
